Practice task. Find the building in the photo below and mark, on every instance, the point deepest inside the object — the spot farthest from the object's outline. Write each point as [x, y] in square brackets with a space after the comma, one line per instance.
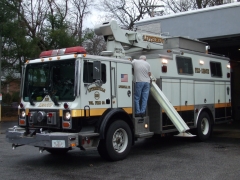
[219, 26]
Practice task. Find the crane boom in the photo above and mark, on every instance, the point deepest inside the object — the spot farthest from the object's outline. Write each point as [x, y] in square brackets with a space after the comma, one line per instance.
[119, 41]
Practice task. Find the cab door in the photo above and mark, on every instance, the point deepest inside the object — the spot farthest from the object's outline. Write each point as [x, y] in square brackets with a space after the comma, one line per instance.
[96, 86]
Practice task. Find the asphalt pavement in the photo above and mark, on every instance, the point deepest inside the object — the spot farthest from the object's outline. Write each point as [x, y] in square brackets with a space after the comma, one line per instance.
[231, 130]
[4, 125]
[152, 159]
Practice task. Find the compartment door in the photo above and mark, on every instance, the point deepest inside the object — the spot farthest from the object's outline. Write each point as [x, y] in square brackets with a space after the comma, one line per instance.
[124, 86]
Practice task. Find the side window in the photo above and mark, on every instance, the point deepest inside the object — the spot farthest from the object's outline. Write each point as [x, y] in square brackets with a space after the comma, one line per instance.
[216, 69]
[88, 72]
[184, 65]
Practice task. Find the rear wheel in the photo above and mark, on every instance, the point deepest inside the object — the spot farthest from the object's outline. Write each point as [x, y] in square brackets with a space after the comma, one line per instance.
[118, 141]
[204, 127]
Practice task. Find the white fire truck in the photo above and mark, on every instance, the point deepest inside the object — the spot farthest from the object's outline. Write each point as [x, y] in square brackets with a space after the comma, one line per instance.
[70, 99]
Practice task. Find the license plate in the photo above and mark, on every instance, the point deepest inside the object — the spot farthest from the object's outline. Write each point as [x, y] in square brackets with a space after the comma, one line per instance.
[58, 143]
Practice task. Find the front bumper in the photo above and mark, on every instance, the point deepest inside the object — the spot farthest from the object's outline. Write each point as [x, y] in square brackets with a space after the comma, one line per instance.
[17, 136]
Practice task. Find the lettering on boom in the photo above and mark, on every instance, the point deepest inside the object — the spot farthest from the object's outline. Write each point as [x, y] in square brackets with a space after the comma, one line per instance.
[153, 39]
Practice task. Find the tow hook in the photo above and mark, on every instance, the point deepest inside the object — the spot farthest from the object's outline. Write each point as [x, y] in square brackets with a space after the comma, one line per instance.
[33, 133]
[41, 149]
[16, 145]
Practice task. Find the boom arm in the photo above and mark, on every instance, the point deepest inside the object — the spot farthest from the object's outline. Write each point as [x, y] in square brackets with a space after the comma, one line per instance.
[120, 41]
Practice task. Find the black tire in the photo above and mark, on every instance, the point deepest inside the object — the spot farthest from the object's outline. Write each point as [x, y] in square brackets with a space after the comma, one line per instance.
[204, 127]
[117, 144]
[57, 151]
[102, 150]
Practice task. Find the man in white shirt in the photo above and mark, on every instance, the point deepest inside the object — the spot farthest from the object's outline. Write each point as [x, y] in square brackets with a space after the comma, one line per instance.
[142, 84]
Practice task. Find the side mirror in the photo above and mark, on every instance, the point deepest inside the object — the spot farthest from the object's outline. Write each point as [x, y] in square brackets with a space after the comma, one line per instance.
[98, 83]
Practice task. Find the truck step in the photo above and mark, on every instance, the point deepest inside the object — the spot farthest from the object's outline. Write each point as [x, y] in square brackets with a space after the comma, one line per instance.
[88, 134]
[185, 134]
[144, 135]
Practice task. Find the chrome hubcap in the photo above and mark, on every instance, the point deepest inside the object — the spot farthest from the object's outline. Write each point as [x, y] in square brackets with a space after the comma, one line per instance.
[205, 126]
[120, 140]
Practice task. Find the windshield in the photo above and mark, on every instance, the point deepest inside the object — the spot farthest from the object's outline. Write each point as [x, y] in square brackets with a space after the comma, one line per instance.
[55, 78]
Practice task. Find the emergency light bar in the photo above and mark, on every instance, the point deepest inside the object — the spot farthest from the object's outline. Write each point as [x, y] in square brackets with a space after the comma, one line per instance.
[64, 51]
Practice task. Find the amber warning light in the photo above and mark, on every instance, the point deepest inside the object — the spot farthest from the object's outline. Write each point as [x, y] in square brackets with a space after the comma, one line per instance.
[64, 51]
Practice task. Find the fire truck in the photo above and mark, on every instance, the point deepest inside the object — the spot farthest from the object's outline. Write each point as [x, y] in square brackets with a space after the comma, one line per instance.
[70, 99]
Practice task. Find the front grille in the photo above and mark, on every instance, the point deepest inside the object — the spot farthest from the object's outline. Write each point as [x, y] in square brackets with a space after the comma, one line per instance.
[38, 118]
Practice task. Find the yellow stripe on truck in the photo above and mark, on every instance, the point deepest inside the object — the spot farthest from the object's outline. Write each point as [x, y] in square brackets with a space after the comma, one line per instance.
[93, 112]
[128, 110]
[26, 111]
[191, 107]
[187, 108]
[182, 108]
[222, 105]
[97, 112]
[80, 112]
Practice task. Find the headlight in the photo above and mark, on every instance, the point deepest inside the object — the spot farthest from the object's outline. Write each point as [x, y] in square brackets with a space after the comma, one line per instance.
[67, 120]
[23, 114]
[67, 116]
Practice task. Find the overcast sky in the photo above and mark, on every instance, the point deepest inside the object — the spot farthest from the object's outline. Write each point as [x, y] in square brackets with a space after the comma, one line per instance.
[93, 19]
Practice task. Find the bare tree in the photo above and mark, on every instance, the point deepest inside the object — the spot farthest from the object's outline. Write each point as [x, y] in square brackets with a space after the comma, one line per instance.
[95, 44]
[32, 14]
[59, 9]
[37, 15]
[127, 12]
[80, 10]
[31, 26]
[179, 6]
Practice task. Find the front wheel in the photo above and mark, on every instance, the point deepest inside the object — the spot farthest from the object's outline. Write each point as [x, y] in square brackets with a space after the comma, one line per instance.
[204, 127]
[117, 144]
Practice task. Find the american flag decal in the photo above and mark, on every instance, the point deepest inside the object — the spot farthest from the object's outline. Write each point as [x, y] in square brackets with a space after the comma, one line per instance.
[124, 78]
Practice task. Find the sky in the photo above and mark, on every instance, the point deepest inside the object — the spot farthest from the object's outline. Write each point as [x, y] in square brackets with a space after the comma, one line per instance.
[93, 19]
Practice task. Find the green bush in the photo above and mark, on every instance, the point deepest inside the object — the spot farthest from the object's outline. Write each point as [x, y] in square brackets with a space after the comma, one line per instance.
[15, 97]
[6, 98]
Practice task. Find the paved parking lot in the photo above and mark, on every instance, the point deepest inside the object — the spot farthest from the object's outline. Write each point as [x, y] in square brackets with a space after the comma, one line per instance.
[164, 158]
[231, 130]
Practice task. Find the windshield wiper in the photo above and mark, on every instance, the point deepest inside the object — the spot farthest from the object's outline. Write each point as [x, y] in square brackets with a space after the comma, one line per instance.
[30, 96]
[50, 88]
[54, 99]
